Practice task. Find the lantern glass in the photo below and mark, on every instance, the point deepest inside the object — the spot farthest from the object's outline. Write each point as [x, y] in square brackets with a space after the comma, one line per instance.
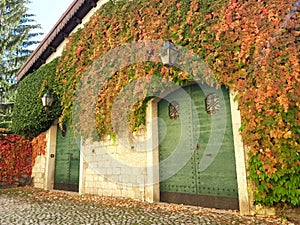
[169, 54]
[47, 99]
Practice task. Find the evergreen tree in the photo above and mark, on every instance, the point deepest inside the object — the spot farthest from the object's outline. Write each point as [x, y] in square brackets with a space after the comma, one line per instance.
[17, 31]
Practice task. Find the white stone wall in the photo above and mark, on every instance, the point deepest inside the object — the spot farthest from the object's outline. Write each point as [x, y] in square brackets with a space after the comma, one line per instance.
[123, 167]
[38, 171]
[44, 166]
[111, 168]
[39, 168]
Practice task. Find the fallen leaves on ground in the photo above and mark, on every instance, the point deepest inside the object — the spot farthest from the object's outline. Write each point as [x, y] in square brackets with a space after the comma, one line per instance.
[35, 195]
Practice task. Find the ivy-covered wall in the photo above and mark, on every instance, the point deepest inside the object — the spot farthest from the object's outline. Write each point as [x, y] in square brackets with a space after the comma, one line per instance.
[29, 117]
[251, 46]
[15, 159]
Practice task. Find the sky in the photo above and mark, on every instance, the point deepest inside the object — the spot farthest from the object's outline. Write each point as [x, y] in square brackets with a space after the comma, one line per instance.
[47, 12]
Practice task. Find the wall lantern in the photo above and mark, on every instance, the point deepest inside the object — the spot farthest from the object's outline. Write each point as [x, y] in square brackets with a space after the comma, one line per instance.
[169, 54]
[47, 99]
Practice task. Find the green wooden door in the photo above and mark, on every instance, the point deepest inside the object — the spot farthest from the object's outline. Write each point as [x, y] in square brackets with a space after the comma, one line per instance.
[66, 160]
[196, 152]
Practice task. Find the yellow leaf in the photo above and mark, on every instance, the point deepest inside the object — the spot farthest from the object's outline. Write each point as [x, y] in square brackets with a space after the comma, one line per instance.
[288, 134]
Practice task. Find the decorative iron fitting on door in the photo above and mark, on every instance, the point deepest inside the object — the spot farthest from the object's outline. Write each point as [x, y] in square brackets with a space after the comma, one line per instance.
[212, 103]
[64, 130]
[174, 110]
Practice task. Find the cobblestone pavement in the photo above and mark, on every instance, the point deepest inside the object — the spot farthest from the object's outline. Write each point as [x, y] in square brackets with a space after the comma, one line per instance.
[34, 206]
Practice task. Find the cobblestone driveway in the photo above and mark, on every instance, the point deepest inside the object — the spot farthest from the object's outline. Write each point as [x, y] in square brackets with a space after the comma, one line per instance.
[32, 206]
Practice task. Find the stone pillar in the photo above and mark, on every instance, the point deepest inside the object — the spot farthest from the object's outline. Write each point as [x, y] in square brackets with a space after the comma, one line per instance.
[239, 158]
[50, 157]
[82, 170]
[152, 177]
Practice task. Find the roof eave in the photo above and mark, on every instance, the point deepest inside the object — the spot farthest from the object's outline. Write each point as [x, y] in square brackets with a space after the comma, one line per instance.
[64, 26]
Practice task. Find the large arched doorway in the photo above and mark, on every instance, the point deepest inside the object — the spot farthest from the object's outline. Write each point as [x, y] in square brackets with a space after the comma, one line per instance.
[185, 123]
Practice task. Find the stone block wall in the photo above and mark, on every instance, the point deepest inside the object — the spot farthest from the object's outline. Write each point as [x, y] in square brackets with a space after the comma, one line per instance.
[115, 168]
[41, 167]
[38, 171]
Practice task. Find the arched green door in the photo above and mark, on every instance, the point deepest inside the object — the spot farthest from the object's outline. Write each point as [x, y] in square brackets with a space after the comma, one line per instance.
[66, 160]
[196, 151]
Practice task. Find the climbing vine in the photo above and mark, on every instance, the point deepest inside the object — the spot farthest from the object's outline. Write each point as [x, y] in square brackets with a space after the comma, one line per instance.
[264, 69]
[38, 146]
[15, 158]
[119, 23]
[251, 46]
[30, 118]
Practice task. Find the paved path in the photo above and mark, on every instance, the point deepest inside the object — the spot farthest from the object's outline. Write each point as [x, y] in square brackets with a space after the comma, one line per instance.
[31, 206]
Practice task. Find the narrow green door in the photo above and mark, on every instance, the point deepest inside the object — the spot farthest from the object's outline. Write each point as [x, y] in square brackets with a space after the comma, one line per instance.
[196, 152]
[66, 160]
